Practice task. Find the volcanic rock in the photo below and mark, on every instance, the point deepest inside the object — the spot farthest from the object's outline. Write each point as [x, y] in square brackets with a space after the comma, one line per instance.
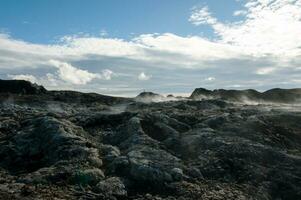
[214, 145]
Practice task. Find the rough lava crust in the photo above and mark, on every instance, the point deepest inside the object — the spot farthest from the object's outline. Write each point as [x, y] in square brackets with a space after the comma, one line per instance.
[211, 146]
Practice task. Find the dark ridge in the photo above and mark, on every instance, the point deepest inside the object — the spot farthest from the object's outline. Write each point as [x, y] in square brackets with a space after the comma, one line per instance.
[276, 95]
[21, 90]
[283, 95]
[20, 87]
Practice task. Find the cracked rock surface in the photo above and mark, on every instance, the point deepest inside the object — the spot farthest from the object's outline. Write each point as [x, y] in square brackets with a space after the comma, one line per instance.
[69, 145]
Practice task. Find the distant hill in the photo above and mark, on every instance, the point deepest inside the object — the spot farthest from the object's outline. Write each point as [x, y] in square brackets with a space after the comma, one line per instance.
[276, 95]
[37, 93]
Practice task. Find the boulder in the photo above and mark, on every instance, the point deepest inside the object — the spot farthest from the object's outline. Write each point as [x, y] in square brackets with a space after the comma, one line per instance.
[46, 141]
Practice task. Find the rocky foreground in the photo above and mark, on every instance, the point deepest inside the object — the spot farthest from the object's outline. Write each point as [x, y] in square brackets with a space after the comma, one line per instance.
[70, 145]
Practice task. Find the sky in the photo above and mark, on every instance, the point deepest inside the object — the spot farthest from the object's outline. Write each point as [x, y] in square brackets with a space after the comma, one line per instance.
[121, 48]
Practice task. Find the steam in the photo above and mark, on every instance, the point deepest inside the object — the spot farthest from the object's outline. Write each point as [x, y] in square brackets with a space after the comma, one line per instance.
[9, 101]
[56, 108]
[157, 99]
[116, 109]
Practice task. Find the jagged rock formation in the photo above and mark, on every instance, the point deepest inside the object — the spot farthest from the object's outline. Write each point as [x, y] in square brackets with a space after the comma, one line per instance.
[70, 145]
[276, 95]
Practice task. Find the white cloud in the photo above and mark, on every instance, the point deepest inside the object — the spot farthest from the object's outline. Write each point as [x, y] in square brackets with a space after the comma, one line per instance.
[191, 50]
[151, 48]
[240, 13]
[50, 80]
[107, 74]
[210, 79]
[73, 75]
[76, 76]
[103, 33]
[143, 77]
[202, 16]
[265, 71]
[271, 27]
[26, 77]
[234, 86]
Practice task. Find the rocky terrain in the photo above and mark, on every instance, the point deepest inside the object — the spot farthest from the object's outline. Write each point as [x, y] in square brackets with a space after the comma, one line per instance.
[213, 145]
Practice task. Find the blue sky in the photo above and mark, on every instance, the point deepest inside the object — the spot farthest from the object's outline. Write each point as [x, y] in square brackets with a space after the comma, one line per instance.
[47, 20]
[172, 46]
